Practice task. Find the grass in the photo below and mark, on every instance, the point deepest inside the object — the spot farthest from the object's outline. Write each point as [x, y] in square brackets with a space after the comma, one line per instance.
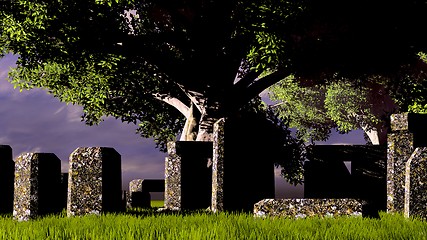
[147, 224]
[157, 203]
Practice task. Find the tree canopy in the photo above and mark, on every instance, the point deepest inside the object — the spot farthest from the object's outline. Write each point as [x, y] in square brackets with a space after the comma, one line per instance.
[358, 63]
[121, 58]
[153, 61]
[342, 105]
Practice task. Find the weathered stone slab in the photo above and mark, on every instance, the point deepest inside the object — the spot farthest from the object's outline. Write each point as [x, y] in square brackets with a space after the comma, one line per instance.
[188, 178]
[399, 122]
[412, 122]
[64, 190]
[416, 184]
[140, 189]
[94, 182]
[218, 167]
[408, 133]
[301, 208]
[37, 185]
[243, 169]
[172, 179]
[327, 176]
[140, 200]
[400, 146]
[147, 185]
[7, 168]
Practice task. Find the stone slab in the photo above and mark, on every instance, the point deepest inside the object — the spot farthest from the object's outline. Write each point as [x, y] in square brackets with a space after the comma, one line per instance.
[37, 185]
[147, 185]
[327, 176]
[139, 191]
[416, 185]
[245, 149]
[7, 169]
[399, 148]
[188, 176]
[302, 208]
[94, 181]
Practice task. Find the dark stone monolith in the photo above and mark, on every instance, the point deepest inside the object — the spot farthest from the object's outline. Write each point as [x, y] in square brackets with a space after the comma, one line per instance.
[94, 181]
[188, 177]
[37, 185]
[7, 168]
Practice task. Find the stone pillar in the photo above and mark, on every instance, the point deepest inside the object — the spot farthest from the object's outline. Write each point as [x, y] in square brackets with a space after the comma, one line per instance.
[218, 167]
[7, 168]
[64, 190]
[94, 181]
[416, 184]
[243, 168]
[400, 145]
[308, 207]
[140, 189]
[326, 175]
[188, 178]
[172, 179]
[138, 197]
[37, 185]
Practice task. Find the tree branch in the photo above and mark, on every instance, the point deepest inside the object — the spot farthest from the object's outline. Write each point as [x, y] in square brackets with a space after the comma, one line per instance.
[253, 90]
[175, 102]
[247, 80]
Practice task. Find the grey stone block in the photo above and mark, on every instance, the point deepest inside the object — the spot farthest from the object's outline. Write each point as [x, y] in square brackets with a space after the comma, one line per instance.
[416, 184]
[188, 178]
[7, 168]
[94, 182]
[243, 163]
[301, 208]
[326, 176]
[400, 148]
[218, 167]
[140, 189]
[37, 185]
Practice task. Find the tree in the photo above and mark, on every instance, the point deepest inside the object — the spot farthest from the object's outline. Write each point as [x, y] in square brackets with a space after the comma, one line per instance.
[341, 105]
[346, 106]
[204, 59]
[355, 70]
[121, 58]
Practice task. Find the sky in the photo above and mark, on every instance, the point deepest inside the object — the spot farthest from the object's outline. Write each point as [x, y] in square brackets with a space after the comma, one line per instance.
[34, 121]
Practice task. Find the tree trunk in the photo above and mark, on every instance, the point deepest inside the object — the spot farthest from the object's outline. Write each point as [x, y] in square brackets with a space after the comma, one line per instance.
[377, 135]
[189, 133]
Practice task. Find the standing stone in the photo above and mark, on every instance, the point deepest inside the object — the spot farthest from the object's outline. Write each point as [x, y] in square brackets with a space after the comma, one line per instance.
[172, 179]
[188, 177]
[326, 175]
[138, 197]
[64, 190]
[7, 168]
[400, 145]
[408, 133]
[94, 181]
[308, 207]
[139, 191]
[218, 167]
[416, 184]
[243, 168]
[37, 185]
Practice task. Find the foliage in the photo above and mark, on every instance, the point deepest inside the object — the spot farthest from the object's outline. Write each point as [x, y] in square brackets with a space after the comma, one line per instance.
[212, 226]
[126, 58]
[291, 148]
[315, 110]
[341, 59]
[119, 58]
[410, 92]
